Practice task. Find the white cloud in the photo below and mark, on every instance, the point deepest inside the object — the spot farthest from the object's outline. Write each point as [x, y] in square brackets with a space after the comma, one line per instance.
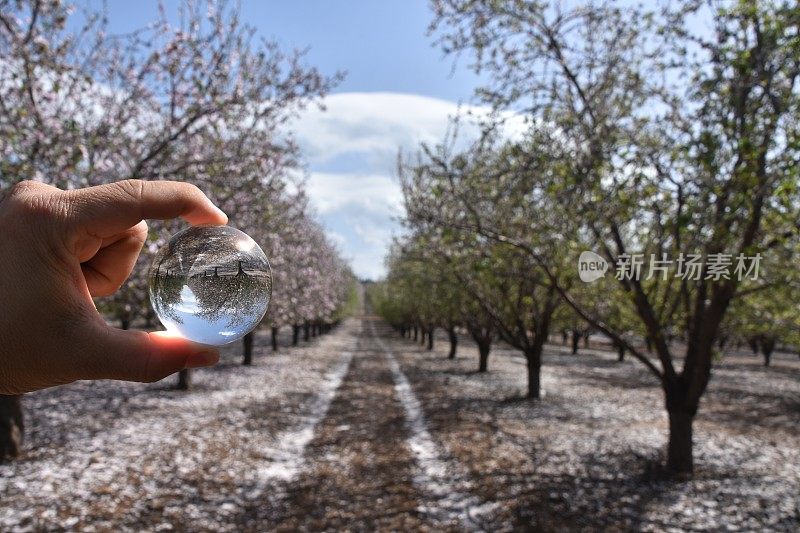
[372, 234]
[381, 123]
[371, 192]
[369, 264]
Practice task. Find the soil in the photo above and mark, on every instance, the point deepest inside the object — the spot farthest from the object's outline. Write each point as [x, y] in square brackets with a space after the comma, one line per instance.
[363, 430]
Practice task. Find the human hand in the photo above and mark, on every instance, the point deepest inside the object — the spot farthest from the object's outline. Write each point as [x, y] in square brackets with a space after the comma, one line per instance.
[58, 249]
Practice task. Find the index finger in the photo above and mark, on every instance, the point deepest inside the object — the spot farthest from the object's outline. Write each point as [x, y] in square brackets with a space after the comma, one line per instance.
[105, 210]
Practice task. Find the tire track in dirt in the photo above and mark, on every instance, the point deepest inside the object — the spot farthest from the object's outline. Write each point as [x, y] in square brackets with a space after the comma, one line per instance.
[438, 480]
[288, 454]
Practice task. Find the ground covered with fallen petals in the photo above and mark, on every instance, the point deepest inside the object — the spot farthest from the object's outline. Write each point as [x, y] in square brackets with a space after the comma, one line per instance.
[360, 429]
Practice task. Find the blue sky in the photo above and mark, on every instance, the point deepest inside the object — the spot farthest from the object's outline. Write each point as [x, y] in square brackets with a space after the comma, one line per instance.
[399, 90]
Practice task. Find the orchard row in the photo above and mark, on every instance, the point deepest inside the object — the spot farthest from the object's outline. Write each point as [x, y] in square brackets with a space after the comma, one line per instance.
[643, 137]
[205, 102]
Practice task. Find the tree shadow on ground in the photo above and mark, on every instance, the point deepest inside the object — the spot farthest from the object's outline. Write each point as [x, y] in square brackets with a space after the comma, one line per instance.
[745, 412]
[617, 489]
[757, 367]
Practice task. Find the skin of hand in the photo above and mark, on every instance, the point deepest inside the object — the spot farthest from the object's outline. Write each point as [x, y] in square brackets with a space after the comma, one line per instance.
[58, 249]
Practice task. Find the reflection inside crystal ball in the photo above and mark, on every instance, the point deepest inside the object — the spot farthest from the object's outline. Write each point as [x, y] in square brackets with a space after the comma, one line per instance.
[210, 284]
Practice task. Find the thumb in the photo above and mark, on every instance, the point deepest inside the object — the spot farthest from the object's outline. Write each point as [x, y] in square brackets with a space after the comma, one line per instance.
[141, 356]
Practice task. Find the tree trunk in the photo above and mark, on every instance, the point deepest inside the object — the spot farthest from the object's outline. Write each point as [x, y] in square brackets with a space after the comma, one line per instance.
[453, 343]
[483, 355]
[12, 427]
[576, 337]
[679, 449]
[295, 334]
[430, 338]
[767, 347]
[586, 339]
[415, 333]
[533, 358]
[314, 329]
[274, 338]
[723, 340]
[620, 353]
[648, 343]
[564, 337]
[124, 323]
[534, 376]
[306, 331]
[753, 343]
[184, 380]
[248, 348]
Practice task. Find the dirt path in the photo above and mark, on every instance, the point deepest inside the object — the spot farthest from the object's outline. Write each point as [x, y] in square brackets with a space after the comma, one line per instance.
[360, 469]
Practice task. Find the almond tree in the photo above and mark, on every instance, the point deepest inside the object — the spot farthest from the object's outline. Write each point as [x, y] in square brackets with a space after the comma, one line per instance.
[764, 312]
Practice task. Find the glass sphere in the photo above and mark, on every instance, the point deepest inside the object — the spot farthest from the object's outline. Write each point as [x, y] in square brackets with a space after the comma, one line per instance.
[210, 284]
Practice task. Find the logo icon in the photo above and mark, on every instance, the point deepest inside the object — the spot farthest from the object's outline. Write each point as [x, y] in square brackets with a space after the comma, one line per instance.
[591, 266]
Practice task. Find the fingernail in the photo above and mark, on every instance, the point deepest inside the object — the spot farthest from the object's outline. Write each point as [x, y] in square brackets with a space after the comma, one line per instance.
[203, 358]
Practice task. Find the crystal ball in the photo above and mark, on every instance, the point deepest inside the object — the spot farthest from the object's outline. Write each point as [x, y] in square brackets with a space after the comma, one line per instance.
[210, 284]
